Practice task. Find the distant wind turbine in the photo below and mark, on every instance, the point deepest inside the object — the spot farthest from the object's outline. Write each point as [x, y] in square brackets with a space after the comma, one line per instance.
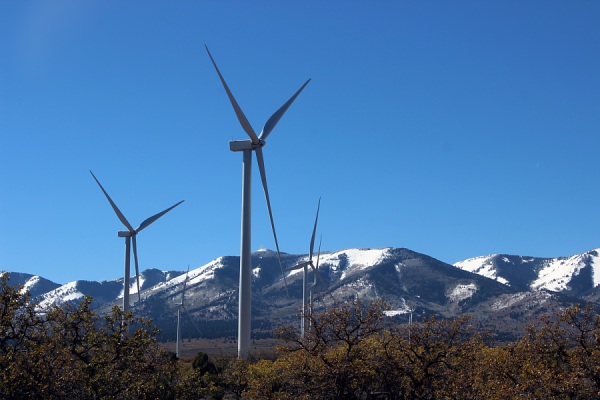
[315, 277]
[179, 307]
[130, 235]
[304, 266]
[410, 320]
[255, 144]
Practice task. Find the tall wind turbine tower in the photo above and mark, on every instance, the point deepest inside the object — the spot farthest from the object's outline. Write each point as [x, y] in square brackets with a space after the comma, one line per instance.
[130, 236]
[254, 144]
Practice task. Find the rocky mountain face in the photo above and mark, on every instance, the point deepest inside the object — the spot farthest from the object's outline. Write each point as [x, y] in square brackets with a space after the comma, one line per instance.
[501, 292]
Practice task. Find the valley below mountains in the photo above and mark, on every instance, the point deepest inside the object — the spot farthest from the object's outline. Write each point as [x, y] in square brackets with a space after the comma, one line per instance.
[503, 293]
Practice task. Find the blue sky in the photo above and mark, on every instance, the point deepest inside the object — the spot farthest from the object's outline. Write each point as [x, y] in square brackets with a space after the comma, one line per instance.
[455, 129]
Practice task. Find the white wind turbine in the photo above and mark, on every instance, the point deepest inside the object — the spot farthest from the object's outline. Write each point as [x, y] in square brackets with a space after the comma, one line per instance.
[304, 265]
[410, 321]
[130, 236]
[179, 307]
[255, 144]
[314, 284]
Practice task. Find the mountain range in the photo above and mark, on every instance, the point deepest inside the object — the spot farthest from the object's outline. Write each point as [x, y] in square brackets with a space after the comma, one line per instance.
[503, 293]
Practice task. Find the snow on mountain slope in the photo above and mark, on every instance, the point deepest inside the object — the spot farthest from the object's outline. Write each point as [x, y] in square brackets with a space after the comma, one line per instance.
[576, 273]
[594, 260]
[533, 299]
[31, 283]
[558, 273]
[195, 277]
[393, 274]
[36, 285]
[364, 257]
[65, 293]
[482, 265]
[356, 259]
[205, 272]
[462, 292]
[345, 262]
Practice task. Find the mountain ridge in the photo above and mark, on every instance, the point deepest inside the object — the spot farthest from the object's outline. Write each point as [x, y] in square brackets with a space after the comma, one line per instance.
[574, 274]
[500, 291]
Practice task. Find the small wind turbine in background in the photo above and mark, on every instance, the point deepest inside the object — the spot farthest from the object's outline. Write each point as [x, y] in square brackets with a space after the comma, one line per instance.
[304, 266]
[179, 307]
[130, 236]
[255, 144]
[410, 321]
[315, 276]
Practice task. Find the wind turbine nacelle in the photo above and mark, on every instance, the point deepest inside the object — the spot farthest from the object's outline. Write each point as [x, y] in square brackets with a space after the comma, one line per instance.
[124, 234]
[243, 145]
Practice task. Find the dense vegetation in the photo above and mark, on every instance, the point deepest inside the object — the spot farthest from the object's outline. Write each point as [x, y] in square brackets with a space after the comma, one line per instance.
[349, 352]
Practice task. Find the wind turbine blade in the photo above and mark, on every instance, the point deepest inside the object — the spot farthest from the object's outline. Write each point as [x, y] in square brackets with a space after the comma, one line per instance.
[319, 282]
[298, 266]
[312, 239]
[263, 177]
[319, 253]
[137, 270]
[315, 286]
[153, 218]
[315, 283]
[316, 274]
[192, 319]
[114, 206]
[184, 285]
[317, 278]
[274, 119]
[238, 111]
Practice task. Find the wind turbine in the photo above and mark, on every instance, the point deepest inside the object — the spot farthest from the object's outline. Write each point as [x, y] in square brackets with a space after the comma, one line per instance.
[130, 236]
[255, 144]
[304, 265]
[180, 306]
[315, 276]
[410, 321]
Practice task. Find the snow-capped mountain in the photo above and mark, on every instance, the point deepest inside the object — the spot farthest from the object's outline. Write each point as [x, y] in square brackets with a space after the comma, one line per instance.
[405, 279]
[102, 292]
[574, 275]
[36, 285]
[501, 291]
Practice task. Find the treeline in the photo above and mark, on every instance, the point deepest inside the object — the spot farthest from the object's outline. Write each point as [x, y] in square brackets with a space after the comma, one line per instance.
[350, 351]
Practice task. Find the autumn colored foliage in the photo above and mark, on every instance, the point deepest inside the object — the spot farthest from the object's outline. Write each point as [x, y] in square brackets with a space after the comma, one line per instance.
[350, 351]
